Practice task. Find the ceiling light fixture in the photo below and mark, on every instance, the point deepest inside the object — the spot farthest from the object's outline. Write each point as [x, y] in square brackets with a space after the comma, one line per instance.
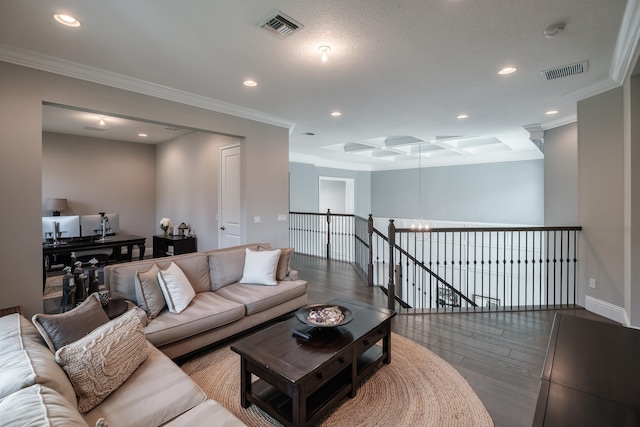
[142, 135]
[336, 114]
[250, 83]
[324, 50]
[551, 112]
[554, 31]
[507, 70]
[462, 116]
[101, 122]
[67, 20]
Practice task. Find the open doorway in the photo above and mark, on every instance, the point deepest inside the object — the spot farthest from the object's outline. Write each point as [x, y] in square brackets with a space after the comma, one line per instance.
[336, 194]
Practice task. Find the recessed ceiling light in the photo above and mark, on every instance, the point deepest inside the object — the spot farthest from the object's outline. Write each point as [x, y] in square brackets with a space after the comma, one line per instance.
[336, 114]
[250, 83]
[101, 122]
[67, 20]
[507, 70]
[462, 116]
[551, 112]
[142, 135]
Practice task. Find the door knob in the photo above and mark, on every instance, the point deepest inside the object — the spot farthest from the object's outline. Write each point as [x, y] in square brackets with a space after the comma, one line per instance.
[222, 228]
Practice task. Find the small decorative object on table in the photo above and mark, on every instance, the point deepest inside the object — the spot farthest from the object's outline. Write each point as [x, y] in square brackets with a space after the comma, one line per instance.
[104, 297]
[324, 315]
[321, 320]
[181, 229]
[165, 223]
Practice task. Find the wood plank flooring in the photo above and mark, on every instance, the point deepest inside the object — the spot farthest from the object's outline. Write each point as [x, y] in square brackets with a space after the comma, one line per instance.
[500, 354]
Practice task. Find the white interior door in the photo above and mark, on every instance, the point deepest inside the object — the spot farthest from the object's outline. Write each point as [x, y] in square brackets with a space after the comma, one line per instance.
[230, 230]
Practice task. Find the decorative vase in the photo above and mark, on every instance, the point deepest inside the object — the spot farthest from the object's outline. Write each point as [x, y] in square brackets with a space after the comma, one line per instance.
[165, 233]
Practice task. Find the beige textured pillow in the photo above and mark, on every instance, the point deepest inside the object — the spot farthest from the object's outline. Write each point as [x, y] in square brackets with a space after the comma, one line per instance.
[284, 263]
[59, 330]
[148, 293]
[176, 288]
[100, 362]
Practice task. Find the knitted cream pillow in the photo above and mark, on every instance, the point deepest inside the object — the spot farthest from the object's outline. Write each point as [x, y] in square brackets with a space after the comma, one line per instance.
[101, 361]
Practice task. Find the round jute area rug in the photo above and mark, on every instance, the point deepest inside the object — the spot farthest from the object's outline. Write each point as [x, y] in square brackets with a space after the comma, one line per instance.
[417, 388]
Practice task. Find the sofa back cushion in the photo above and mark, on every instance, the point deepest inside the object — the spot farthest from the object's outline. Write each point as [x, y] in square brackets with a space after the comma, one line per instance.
[120, 278]
[25, 360]
[226, 265]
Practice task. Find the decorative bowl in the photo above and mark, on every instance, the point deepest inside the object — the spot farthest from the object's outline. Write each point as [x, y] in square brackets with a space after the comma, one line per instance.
[303, 313]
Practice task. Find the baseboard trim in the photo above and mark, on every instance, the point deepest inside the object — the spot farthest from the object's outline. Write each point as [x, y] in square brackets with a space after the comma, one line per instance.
[608, 310]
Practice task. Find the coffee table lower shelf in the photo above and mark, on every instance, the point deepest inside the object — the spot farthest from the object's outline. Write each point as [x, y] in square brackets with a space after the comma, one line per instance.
[279, 405]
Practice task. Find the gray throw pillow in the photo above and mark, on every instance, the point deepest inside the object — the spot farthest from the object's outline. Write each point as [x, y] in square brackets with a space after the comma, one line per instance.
[148, 293]
[61, 329]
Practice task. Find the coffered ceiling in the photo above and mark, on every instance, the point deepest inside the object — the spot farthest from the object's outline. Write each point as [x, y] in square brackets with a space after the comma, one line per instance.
[402, 73]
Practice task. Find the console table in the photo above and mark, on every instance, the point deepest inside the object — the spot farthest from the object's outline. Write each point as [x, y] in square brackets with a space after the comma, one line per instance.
[590, 375]
[111, 242]
[173, 245]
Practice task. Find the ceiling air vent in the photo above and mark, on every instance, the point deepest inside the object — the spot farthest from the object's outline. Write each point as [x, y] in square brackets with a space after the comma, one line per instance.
[94, 128]
[567, 70]
[281, 24]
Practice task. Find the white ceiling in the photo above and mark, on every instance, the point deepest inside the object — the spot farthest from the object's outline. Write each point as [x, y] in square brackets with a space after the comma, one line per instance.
[396, 68]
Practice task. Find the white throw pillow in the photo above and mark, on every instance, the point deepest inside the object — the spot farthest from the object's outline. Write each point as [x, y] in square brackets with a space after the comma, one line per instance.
[176, 288]
[260, 267]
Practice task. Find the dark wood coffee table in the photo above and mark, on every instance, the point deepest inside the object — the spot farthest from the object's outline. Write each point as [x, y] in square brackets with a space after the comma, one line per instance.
[300, 380]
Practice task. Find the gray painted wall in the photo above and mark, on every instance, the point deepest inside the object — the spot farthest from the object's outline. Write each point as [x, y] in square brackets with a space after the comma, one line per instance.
[601, 193]
[187, 184]
[561, 176]
[264, 164]
[510, 192]
[84, 171]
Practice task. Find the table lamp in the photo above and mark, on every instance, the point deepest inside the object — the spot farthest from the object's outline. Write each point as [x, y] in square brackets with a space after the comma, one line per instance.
[56, 205]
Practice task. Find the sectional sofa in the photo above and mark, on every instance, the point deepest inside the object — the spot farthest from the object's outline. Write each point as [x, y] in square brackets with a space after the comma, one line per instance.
[80, 368]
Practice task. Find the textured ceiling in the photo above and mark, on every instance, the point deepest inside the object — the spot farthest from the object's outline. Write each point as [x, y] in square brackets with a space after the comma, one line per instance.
[396, 67]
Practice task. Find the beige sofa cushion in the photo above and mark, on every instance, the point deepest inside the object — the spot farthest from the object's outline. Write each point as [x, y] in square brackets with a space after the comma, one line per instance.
[100, 362]
[17, 333]
[120, 278]
[29, 361]
[284, 264]
[38, 406]
[201, 416]
[206, 311]
[156, 392]
[257, 298]
[61, 329]
[176, 288]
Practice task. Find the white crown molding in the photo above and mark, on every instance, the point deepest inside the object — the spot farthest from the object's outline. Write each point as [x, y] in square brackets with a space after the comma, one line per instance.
[623, 55]
[595, 89]
[551, 124]
[627, 42]
[82, 72]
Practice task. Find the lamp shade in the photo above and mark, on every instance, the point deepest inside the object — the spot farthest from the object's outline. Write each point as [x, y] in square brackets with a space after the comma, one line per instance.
[56, 205]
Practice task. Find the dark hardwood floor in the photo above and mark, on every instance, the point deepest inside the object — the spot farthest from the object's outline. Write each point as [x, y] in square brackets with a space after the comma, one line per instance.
[500, 354]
